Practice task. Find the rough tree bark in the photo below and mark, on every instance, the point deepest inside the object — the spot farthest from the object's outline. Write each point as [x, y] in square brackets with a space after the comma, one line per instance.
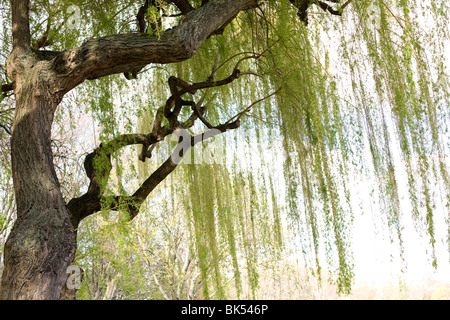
[42, 242]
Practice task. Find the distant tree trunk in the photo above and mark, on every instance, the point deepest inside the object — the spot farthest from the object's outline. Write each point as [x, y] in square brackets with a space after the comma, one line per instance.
[42, 243]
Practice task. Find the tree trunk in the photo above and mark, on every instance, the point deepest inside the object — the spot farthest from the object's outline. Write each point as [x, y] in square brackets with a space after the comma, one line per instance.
[42, 243]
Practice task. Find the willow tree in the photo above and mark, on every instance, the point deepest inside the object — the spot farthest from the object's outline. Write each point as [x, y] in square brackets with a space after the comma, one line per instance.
[210, 66]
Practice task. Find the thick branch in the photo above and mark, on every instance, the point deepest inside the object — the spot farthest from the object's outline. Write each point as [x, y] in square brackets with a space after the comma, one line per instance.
[120, 53]
[20, 25]
[98, 174]
[98, 166]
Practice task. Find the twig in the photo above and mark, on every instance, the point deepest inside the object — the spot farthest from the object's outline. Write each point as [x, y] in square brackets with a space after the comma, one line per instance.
[240, 114]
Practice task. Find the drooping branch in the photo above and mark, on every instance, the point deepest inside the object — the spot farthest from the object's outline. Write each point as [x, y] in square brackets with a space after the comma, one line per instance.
[144, 23]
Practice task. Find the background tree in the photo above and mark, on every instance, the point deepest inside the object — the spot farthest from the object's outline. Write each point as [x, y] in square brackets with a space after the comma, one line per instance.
[206, 67]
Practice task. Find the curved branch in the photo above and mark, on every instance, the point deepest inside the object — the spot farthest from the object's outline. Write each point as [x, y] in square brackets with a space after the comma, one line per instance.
[124, 52]
[6, 129]
[192, 88]
[142, 23]
[20, 25]
[44, 40]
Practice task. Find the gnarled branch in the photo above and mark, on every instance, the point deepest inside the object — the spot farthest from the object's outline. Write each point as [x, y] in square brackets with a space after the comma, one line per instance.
[20, 25]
